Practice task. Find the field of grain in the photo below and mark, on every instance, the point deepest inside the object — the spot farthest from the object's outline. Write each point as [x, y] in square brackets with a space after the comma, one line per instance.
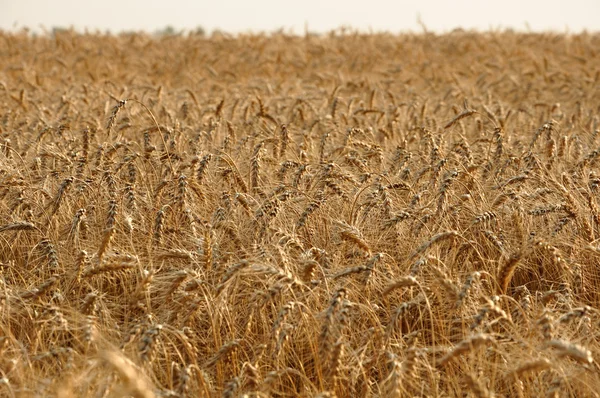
[345, 215]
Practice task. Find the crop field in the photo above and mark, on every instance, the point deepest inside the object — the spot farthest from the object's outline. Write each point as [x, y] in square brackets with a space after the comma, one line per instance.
[345, 215]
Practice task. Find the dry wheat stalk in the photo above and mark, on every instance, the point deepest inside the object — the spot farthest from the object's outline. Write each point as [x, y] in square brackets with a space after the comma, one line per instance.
[442, 236]
[536, 365]
[40, 290]
[135, 382]
[571, 350]
[114, 113]
[477, 387]
[110, 229]
[407, 281]
[225, 350]
[507, 270]
[466, 346]
[18, 226]
[352, 234]
[393, 382]
[148, 342]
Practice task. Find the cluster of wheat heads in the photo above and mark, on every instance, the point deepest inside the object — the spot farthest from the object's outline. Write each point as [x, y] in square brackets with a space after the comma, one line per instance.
[342, 215]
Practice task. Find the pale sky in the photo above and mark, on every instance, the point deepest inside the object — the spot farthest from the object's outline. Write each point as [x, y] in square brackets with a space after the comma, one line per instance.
[320, 16]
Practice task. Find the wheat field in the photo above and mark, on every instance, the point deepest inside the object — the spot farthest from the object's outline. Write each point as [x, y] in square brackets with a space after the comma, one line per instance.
[345, 215]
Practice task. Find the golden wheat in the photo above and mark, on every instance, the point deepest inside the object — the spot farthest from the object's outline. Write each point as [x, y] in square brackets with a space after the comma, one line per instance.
[346, 215]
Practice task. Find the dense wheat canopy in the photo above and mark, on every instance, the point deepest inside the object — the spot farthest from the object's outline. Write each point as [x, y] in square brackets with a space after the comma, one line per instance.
[344, 215]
